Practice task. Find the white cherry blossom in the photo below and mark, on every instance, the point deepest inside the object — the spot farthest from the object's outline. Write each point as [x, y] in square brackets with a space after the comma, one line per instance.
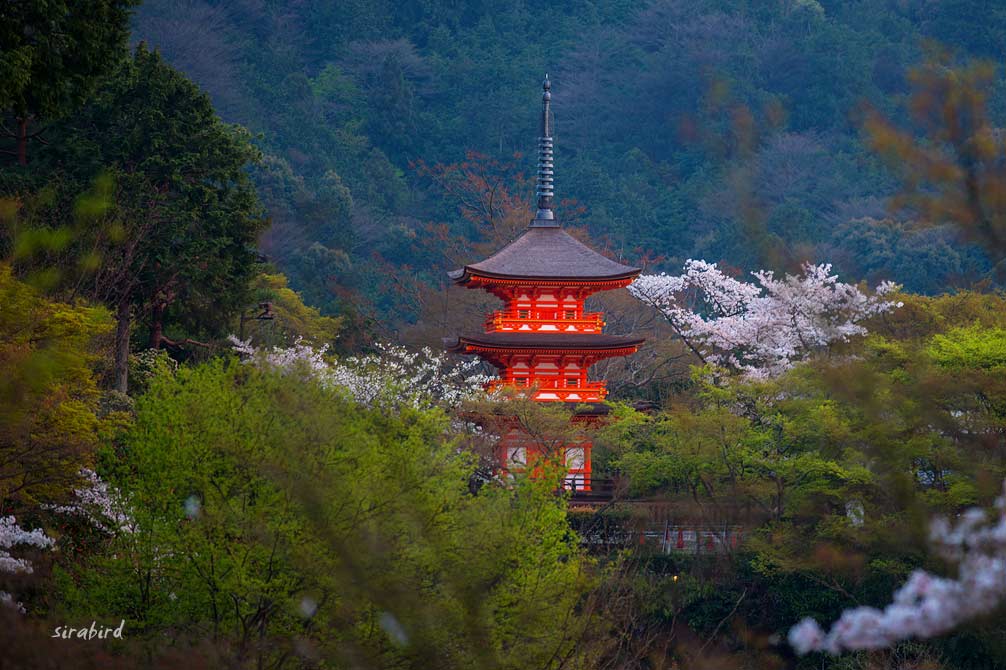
[13, 535]
[395, 374]
[102, 506]
[760, 328]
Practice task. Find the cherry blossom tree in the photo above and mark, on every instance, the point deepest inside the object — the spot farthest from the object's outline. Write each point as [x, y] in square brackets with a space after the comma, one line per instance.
[395, 374]
[102, 506]
[760, 328]
[927, 605]
[13, 535]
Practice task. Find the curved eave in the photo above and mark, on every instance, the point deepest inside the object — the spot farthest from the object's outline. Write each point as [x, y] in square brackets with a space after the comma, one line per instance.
[546, 253]
[471, 278]
[576, 343]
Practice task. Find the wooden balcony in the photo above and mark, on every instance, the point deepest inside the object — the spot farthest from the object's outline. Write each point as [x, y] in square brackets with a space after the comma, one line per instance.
[587, 392]
[506, 322]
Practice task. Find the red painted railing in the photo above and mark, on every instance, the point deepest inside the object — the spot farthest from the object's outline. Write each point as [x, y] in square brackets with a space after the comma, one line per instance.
[506, 321]
[587, 392]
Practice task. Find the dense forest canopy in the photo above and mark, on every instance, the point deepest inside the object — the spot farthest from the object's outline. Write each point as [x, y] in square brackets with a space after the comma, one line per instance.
[684, 128]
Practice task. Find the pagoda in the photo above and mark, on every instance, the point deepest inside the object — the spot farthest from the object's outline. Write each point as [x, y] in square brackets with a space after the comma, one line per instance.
[543, 339]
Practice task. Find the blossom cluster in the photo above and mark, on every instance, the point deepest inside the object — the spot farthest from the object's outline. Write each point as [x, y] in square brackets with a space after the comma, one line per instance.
[12, 535]
[763, 327]
[394, 374]
[926, 605]
[102, 506]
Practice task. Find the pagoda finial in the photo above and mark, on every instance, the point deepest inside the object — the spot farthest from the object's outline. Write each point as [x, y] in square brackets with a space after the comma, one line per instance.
[544, 216]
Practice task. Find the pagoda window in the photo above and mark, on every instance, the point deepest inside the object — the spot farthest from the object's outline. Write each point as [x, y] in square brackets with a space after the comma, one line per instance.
[520, 381]
[516, 457]
[570, 314]
[523, 314]
[572, 382]
[576, 465]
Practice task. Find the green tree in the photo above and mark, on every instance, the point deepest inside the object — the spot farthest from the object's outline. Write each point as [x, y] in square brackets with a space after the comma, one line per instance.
[49, 425]
[51, 57]
[831, 471]
[279, 317]
[281, 518]
[178, 247]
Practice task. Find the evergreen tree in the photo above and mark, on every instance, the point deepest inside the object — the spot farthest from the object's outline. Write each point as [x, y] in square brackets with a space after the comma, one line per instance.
[180, 250]
[51, 56]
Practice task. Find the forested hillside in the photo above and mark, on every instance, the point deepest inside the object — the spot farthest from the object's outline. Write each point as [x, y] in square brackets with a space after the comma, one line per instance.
[686, 129]
[230, 434]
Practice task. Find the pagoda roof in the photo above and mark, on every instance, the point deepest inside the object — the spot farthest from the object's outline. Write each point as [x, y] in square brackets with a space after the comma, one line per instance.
[549, 253]
[541, 342]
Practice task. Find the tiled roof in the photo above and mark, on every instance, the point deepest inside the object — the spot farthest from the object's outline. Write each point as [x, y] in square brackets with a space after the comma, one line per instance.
[546, 253]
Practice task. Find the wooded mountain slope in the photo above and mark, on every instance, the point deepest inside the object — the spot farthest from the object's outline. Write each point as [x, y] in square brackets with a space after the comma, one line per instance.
[685, 128]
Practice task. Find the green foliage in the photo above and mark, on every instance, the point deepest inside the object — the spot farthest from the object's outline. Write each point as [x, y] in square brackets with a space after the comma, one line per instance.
[291, 320]
[147, 365]
[52, 56]
[49, 426]
[924, 259]
[268, 507]
[974, 348]
[292, 526]
[43, 229]
[735, 136]
[172, 218]
[832, 470]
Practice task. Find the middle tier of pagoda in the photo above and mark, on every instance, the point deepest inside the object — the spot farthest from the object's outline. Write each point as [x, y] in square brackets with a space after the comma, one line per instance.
[555, 365]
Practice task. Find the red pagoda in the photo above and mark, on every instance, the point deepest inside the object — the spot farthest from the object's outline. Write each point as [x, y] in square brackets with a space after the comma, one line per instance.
[543, 339]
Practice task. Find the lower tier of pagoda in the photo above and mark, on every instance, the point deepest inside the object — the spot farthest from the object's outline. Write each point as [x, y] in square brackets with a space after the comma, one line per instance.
[518, 453]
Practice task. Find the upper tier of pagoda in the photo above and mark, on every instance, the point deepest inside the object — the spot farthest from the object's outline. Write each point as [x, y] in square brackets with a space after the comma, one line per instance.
[543, 338]
[546, 252]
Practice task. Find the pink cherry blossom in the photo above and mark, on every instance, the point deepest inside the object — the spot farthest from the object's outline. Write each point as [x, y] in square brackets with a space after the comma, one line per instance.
[926, 605]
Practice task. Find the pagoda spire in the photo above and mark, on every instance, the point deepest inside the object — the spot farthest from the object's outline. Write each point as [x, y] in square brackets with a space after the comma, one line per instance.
[545, 217]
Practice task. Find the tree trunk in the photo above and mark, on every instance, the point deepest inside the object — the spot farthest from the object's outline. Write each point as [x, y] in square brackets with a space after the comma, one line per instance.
[157, 326]
[22, 141]
[122, 322]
